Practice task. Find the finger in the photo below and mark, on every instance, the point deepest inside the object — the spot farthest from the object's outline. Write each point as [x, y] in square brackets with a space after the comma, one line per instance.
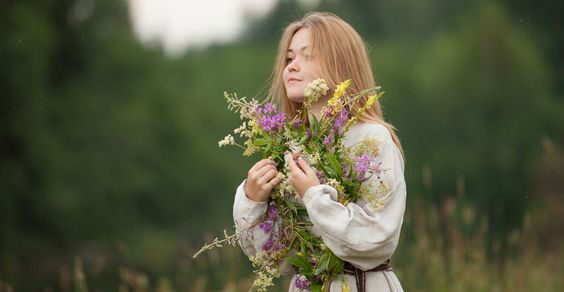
[260, 164]
[268, 176]
[292, 164]
[262, 171]
[294, 168]
[305, 167]
[275, 181]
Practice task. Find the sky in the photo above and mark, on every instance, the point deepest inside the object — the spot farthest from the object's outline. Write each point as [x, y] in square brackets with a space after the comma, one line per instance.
[178, 25]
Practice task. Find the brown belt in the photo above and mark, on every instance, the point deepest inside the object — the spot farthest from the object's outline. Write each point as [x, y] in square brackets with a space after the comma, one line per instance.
[360, 276]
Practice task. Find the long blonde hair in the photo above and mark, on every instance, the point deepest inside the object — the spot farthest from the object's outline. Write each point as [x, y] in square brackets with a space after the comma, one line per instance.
[341, 54]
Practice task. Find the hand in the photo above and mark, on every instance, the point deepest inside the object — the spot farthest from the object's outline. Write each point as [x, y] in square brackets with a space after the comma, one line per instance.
[303, 176]
[261, 179]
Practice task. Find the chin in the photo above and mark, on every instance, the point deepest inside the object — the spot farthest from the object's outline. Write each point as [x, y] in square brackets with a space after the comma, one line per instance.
[296, 98]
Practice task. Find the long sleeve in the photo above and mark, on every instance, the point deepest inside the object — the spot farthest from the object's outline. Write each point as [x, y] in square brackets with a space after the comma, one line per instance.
[247, 212]
[360, 233]
[256, 237]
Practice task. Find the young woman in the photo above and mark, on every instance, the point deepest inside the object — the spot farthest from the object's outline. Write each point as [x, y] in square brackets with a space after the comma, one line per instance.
[322, 45]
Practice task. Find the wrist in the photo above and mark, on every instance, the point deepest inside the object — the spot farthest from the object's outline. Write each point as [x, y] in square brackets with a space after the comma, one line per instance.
[254, 198]
[251, 196]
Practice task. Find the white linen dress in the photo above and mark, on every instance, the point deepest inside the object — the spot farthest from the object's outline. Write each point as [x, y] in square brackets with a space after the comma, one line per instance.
[358, 233]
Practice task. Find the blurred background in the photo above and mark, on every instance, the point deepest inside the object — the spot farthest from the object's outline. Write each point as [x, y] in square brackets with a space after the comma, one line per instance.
[110, 113]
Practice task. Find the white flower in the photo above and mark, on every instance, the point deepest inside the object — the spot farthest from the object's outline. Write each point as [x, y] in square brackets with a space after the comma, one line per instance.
[314, 90]
[295, 147]
[333, 182]
[241, 128]
[312, 158]
[228, 140]
[369, 146]
[375, 195]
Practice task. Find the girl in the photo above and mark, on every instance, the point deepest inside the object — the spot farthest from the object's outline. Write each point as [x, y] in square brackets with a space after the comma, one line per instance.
[322, 45]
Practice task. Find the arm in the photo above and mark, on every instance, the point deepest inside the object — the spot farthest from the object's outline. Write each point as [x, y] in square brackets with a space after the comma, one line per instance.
[260, 237]
[360, 233]
[250, 205]
[247, 212]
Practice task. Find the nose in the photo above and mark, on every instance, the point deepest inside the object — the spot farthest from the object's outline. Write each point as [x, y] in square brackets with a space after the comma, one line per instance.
[293, 66]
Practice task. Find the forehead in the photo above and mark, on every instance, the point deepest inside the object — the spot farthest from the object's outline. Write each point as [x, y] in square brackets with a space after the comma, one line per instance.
[301, 40]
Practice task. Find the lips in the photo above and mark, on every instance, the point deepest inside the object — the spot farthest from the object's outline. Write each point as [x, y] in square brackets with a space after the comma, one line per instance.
[293, 79]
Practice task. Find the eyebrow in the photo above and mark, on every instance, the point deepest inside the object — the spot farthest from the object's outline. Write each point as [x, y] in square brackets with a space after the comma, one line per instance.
[302, 49]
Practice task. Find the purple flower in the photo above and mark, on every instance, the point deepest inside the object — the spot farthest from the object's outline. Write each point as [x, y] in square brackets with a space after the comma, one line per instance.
[341, 119]
[266, 226]
[326, 111]
[266, 123]
[268, 117]
[328, 139]
[361, 165]
[258, 111]
[321, 177]
[377, 169]
[271, 211]
[302, 283]
[269, 108]
[272, 245]
[277, 246]
[268, 244]
[297, 123]
[279, 119]
[308, 133]
[272, 123]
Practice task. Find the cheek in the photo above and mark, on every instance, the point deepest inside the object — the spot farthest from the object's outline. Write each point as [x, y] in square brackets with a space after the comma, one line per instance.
[313, 73]
[284, 75]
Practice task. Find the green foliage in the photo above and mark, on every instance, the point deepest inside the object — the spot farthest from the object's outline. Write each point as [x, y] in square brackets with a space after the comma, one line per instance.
[109, 150]
[485, 114]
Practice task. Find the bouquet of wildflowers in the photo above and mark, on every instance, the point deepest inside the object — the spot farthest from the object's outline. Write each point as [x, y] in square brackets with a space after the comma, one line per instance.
[272, 133]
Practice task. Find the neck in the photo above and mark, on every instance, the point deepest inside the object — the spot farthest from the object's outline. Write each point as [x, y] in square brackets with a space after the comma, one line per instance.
[315, 109]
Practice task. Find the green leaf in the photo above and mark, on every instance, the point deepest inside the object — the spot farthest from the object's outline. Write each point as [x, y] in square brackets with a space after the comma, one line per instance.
[301, 262]
[327, 170]
[261, 141]
[314, 287]
[314, 122]
[292, 206]
[303, 139]
[332, 159]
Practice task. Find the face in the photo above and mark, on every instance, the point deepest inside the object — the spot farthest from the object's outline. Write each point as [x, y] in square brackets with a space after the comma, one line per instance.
[301, 68]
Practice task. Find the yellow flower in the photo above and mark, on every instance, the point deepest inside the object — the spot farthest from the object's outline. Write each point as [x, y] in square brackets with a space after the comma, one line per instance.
[341, 88]
[345, 287]
[335, 102]
[370, 101]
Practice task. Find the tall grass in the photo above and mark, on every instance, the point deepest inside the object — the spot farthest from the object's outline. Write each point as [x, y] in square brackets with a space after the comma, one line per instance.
[435, 254]
[443, 247]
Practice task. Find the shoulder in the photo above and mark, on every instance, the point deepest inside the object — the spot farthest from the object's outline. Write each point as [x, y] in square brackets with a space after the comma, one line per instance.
[363, 130]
